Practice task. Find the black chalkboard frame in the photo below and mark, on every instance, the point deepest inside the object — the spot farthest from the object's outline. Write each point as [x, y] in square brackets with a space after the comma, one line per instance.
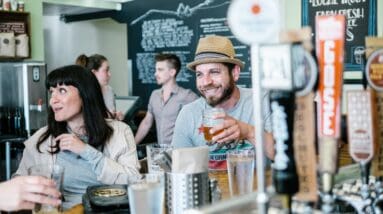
[351, 63]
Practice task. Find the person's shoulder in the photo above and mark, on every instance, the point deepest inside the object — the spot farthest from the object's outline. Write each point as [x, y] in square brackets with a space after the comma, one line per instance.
[154, 96]
[121, 131]
[108, 88]
[156, 92]
[119, 128]
[186, 92]
[246, 94]
[39, 132]
[246, 91]
[116, 123]
[31, 141]
[194, 105]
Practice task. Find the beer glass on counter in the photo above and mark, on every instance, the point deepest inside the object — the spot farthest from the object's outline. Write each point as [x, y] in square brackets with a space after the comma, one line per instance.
[155, 153]
[146, 194]
[240, 166]
[54, 172]
[209, 121]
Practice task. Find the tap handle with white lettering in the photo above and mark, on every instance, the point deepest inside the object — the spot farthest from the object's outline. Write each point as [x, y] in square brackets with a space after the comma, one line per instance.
[330, 34]
[285, 176]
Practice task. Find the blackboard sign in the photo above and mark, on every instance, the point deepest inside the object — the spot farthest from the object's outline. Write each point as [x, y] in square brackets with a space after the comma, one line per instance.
[361, 22]
[174, 26]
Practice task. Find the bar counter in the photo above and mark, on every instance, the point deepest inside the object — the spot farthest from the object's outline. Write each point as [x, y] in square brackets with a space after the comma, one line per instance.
[223, 182]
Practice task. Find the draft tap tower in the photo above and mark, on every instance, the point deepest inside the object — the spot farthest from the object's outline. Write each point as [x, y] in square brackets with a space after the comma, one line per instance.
[278, 77]
[256, 22]
[329, 50]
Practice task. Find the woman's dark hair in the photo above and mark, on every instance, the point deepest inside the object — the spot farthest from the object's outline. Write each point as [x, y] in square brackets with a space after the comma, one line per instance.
[95, 61]
[92, 62]
[93, 106]
[82, 60]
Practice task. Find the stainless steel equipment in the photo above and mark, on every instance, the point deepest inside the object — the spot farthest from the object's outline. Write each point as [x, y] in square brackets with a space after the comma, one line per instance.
[185, 191]
[23, 103]
[22, 86]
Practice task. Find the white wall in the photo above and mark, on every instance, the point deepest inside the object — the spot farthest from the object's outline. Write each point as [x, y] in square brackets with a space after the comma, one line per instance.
[65, 41]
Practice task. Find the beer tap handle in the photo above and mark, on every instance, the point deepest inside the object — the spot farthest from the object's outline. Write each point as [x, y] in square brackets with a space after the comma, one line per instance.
[277, 77]
[285, 176]
[330, 54]
[284, 170]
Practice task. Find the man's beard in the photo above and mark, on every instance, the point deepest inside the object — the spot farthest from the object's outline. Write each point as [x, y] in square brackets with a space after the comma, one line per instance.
[227, 92]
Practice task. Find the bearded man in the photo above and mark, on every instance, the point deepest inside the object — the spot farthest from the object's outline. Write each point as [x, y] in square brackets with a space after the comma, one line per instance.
[217, 71]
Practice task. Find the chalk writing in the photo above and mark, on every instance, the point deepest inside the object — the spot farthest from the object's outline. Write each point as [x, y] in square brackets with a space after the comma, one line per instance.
[165, 33]
[182, 10]
[145, 64]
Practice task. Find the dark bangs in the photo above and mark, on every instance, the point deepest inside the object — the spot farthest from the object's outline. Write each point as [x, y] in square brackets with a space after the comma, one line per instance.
[68, 76]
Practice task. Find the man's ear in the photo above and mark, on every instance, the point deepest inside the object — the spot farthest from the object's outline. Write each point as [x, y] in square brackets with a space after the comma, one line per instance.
[173, 72]
[235, 72]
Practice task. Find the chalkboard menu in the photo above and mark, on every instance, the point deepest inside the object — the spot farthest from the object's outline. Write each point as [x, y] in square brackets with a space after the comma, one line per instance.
[361, 22]
[174, 26]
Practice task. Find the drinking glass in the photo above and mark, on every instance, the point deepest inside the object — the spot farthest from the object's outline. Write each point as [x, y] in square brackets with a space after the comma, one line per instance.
[54, 172]
[146, 194]
[155, 153]
[240, 166]
[209, 121]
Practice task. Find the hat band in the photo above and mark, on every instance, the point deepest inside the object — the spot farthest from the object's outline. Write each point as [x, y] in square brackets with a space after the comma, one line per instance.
[205, 55]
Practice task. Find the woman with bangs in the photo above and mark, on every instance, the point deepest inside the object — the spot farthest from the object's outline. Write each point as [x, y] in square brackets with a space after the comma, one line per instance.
[79, 136]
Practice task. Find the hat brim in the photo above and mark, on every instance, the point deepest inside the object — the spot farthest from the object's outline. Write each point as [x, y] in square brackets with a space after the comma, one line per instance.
[192, 65]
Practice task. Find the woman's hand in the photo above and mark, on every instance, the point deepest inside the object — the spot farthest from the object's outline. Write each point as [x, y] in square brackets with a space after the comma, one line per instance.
[118, 115]
[21, 193]
[71, 142]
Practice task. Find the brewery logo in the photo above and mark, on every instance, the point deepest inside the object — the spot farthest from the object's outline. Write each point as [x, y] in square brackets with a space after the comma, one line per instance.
[247, 18]
[374, 70]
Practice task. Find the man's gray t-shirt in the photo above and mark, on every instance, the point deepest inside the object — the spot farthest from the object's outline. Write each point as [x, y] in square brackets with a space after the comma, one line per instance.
[188, 132]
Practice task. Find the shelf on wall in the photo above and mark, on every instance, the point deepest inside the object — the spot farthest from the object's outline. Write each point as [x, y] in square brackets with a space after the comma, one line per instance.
[18, 23]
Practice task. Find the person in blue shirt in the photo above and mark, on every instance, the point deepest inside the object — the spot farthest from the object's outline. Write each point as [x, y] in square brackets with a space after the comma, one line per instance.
[217, 71]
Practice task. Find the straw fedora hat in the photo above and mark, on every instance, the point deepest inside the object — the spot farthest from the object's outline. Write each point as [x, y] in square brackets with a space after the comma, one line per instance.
[212, 49]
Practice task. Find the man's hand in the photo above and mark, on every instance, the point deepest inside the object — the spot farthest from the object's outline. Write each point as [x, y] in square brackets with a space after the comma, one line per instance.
[235, 130]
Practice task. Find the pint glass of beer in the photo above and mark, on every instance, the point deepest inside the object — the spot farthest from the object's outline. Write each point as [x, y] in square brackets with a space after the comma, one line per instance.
[209, 121]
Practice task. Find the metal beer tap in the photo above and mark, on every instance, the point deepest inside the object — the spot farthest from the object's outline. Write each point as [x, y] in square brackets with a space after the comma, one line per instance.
[329, 50]
[283, 76]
